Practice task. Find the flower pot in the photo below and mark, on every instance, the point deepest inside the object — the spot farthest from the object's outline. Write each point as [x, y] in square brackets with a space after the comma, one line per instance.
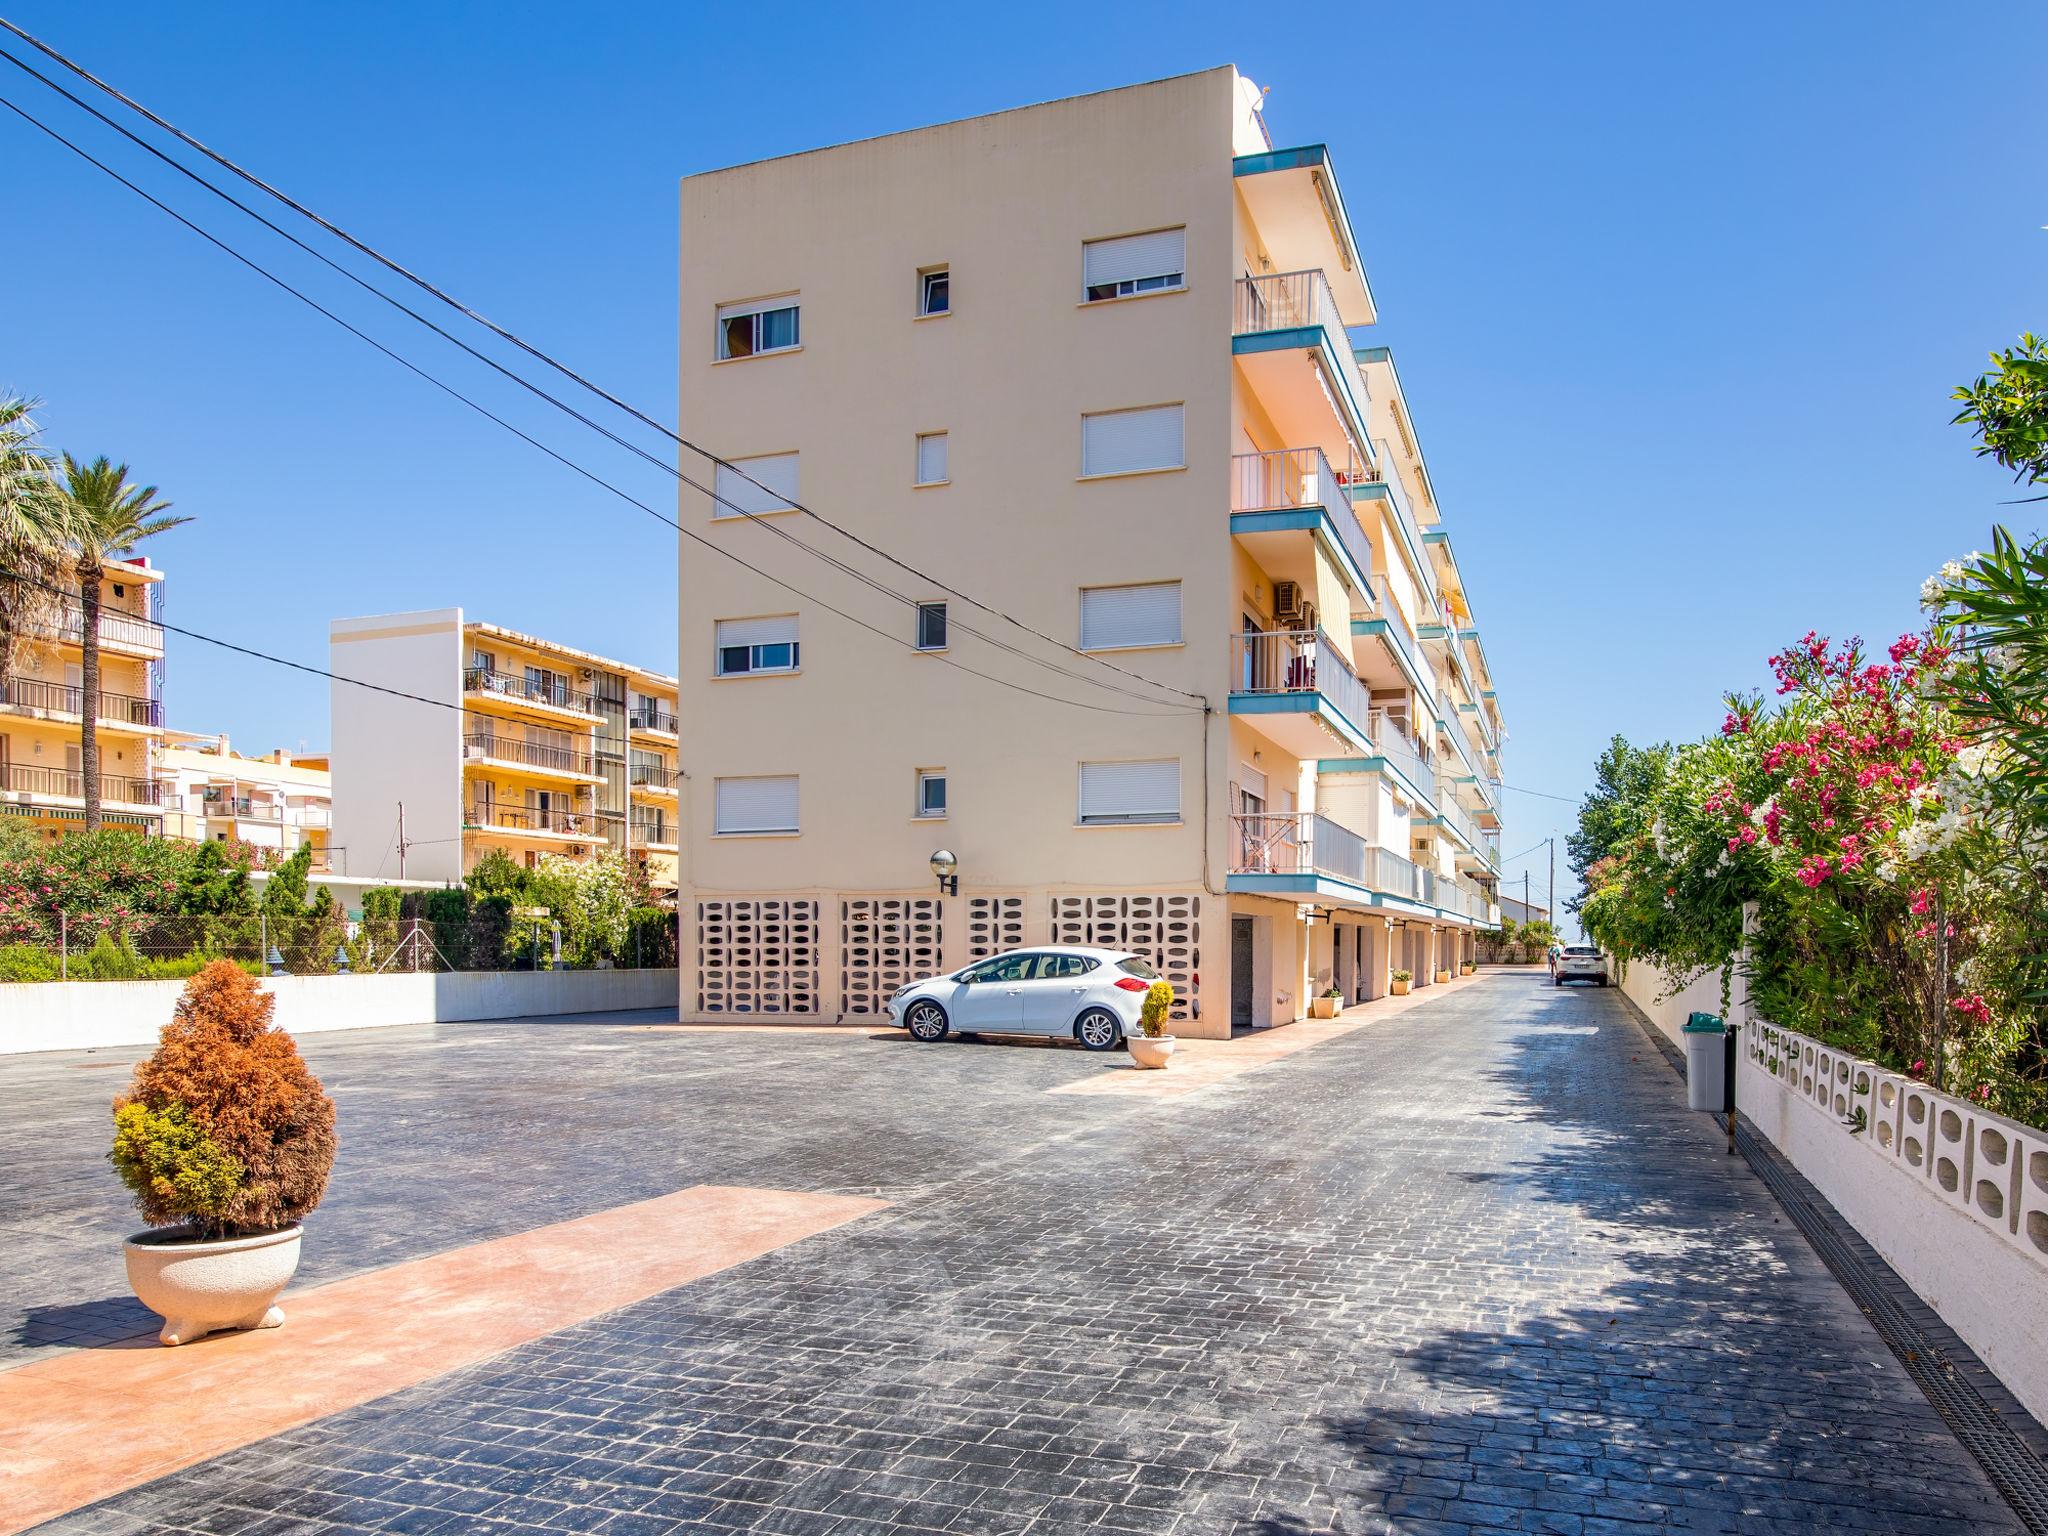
[1443, 976]
[1399, 988]
[202, 1285]
[1467, 968]
[1149, 1051]
[1324, 1007]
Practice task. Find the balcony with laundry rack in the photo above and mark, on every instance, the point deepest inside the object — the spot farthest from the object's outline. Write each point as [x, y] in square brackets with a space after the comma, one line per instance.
[1289, 505]
[1297, 688]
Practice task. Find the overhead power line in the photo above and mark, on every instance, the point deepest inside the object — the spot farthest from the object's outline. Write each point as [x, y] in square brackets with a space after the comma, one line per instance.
[375, 255]
[1166, 711]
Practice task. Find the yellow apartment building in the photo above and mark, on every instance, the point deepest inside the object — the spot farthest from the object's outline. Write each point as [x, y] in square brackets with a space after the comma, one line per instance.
[278, 802]
[42, 704]
[489, 738]
[1095, 365]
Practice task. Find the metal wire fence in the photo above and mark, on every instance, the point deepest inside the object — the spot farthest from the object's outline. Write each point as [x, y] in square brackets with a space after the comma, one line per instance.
[61, 946]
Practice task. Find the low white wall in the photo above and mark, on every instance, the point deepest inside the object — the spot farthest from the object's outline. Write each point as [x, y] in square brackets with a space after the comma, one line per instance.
[1647, 987]
[75, 1015]
[1954, 1197]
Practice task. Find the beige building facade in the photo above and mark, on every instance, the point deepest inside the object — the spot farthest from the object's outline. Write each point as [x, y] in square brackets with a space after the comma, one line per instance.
[278, 803]
[1176, 656]
[475, 737]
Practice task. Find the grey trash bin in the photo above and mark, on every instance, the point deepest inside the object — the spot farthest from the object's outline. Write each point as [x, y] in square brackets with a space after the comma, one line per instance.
[1706, 1062]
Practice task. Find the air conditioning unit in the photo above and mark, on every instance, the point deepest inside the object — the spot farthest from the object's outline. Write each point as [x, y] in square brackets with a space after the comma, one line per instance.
[577, 850]
[1305, 616]
[1286, 599]
[587, 674]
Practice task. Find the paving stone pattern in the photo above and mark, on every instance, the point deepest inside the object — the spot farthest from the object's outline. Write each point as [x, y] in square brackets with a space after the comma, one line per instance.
[1472, 1268]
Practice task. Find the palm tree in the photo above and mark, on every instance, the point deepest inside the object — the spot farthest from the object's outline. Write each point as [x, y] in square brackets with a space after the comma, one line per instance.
[35, 524]
[109, 517]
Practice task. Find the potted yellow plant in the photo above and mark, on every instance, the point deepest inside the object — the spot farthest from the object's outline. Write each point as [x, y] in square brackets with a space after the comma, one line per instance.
[1399, 983]
[1152, 1046]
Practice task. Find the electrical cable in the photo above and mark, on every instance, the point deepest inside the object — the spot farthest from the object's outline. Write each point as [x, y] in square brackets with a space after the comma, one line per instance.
[596, 479]
[514, 340]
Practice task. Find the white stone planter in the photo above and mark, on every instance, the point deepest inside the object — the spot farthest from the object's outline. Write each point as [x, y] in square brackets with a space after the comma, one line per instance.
[1150, 1051]
[200, 1286]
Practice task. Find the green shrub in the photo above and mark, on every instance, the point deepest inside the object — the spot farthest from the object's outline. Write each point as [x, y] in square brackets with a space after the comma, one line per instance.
[381, 904]
[110, 959]
[27, 962]
[650, 939]
[171, 1164]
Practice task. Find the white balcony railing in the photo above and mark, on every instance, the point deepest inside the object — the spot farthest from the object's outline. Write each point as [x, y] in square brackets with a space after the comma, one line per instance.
[1398, 628]
[1300, 661]
[1391, 740]
[1300, 477]
[1292, 301]
[123, 630]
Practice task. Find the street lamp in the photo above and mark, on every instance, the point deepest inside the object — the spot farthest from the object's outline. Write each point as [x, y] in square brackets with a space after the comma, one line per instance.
[943, 865]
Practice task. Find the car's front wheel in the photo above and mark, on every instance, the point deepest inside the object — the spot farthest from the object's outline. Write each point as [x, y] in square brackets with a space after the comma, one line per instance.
[926, 1021]
[1098, 1030]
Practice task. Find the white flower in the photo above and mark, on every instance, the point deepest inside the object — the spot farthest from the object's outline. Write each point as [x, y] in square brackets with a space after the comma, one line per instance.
[1930, 592]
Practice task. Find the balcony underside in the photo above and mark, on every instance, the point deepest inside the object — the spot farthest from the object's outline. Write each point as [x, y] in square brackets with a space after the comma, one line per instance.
[59, 809]
[1292, 196]
[532, 835]
[1280, 368]
[513, 706]
[1275, 539]
[1302, 724]
[1326, 890]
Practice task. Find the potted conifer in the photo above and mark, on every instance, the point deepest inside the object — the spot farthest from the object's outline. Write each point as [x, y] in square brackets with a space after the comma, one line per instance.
[1152, 1046]
[226, 1140]
[1399, 983]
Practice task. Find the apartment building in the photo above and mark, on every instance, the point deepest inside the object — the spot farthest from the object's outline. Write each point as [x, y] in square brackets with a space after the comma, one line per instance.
[211, 793]
[42, 707]
[494, 739]
[1091, 364]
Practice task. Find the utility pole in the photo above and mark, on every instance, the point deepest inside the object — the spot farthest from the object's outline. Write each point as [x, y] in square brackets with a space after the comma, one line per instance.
[402, 843]
[1552, 914]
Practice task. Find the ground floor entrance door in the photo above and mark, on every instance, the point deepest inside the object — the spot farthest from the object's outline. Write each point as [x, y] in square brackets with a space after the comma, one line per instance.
[1241, 973]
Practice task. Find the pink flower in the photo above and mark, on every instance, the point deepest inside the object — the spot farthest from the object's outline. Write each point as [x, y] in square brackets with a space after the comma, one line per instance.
[1814, 870]
[1922, 900]
[1973, 1008]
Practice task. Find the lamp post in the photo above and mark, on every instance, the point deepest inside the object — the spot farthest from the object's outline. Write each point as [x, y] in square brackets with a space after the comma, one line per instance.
[943, 867]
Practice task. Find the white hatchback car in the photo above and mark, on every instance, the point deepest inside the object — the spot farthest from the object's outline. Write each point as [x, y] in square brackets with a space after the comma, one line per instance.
[1095, 995]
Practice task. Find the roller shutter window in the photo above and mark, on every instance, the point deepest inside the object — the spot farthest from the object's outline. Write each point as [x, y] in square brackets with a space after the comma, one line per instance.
[755, 805]
[1116, 618]
[757, 645]
[757, 326]
[1120, 793]
[1127, 442]
[1153, 263]
[765, 484]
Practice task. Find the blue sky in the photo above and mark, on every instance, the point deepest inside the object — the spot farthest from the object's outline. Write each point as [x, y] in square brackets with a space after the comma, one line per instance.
[1677, 295]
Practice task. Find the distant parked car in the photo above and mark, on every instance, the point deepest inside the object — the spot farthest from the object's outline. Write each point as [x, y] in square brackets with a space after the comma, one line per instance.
[1095, 995]
[1580, 962]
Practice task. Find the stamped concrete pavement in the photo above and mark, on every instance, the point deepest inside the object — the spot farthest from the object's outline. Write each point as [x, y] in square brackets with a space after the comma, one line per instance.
[1471, 1267]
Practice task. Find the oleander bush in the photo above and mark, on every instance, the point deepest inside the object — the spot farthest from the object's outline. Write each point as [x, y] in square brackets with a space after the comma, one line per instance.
[224, 1129]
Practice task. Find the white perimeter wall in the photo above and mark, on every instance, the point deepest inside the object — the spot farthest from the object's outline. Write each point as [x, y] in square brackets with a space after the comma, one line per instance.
[78, 1015]
[1954, 1199]
[386, 749]
[1646, 987]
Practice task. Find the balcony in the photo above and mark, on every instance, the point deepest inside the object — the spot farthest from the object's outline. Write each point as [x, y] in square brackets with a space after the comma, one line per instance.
[1307, 855]
[1398, 661]
[548, 692]
[1274, 497]
[652, 717]
[1383, 483]
[34, 696]
[531, 821]
[1402, 752]
[60, 783]
[1284, 313]
[1299, 682]
[653, 832]
[565, 761]
[655, 780]
[123, 632]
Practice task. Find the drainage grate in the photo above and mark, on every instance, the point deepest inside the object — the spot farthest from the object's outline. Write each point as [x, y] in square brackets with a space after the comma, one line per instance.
[1940, 1367]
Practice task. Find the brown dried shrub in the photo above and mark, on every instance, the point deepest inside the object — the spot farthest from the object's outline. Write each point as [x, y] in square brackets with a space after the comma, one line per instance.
[240, 1083]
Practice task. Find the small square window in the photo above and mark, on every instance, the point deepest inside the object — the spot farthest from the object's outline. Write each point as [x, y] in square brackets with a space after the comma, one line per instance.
[935, 292]
[931, 792]
[931, 458]
[931, 626]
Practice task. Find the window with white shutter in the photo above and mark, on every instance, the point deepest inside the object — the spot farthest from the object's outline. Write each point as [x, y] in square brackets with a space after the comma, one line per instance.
[1116, 618]
[931, 458]
[1122, 793]
[1126, 442]
[766, 484]
[757, 645]
[1154, 263]
[754, 805]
